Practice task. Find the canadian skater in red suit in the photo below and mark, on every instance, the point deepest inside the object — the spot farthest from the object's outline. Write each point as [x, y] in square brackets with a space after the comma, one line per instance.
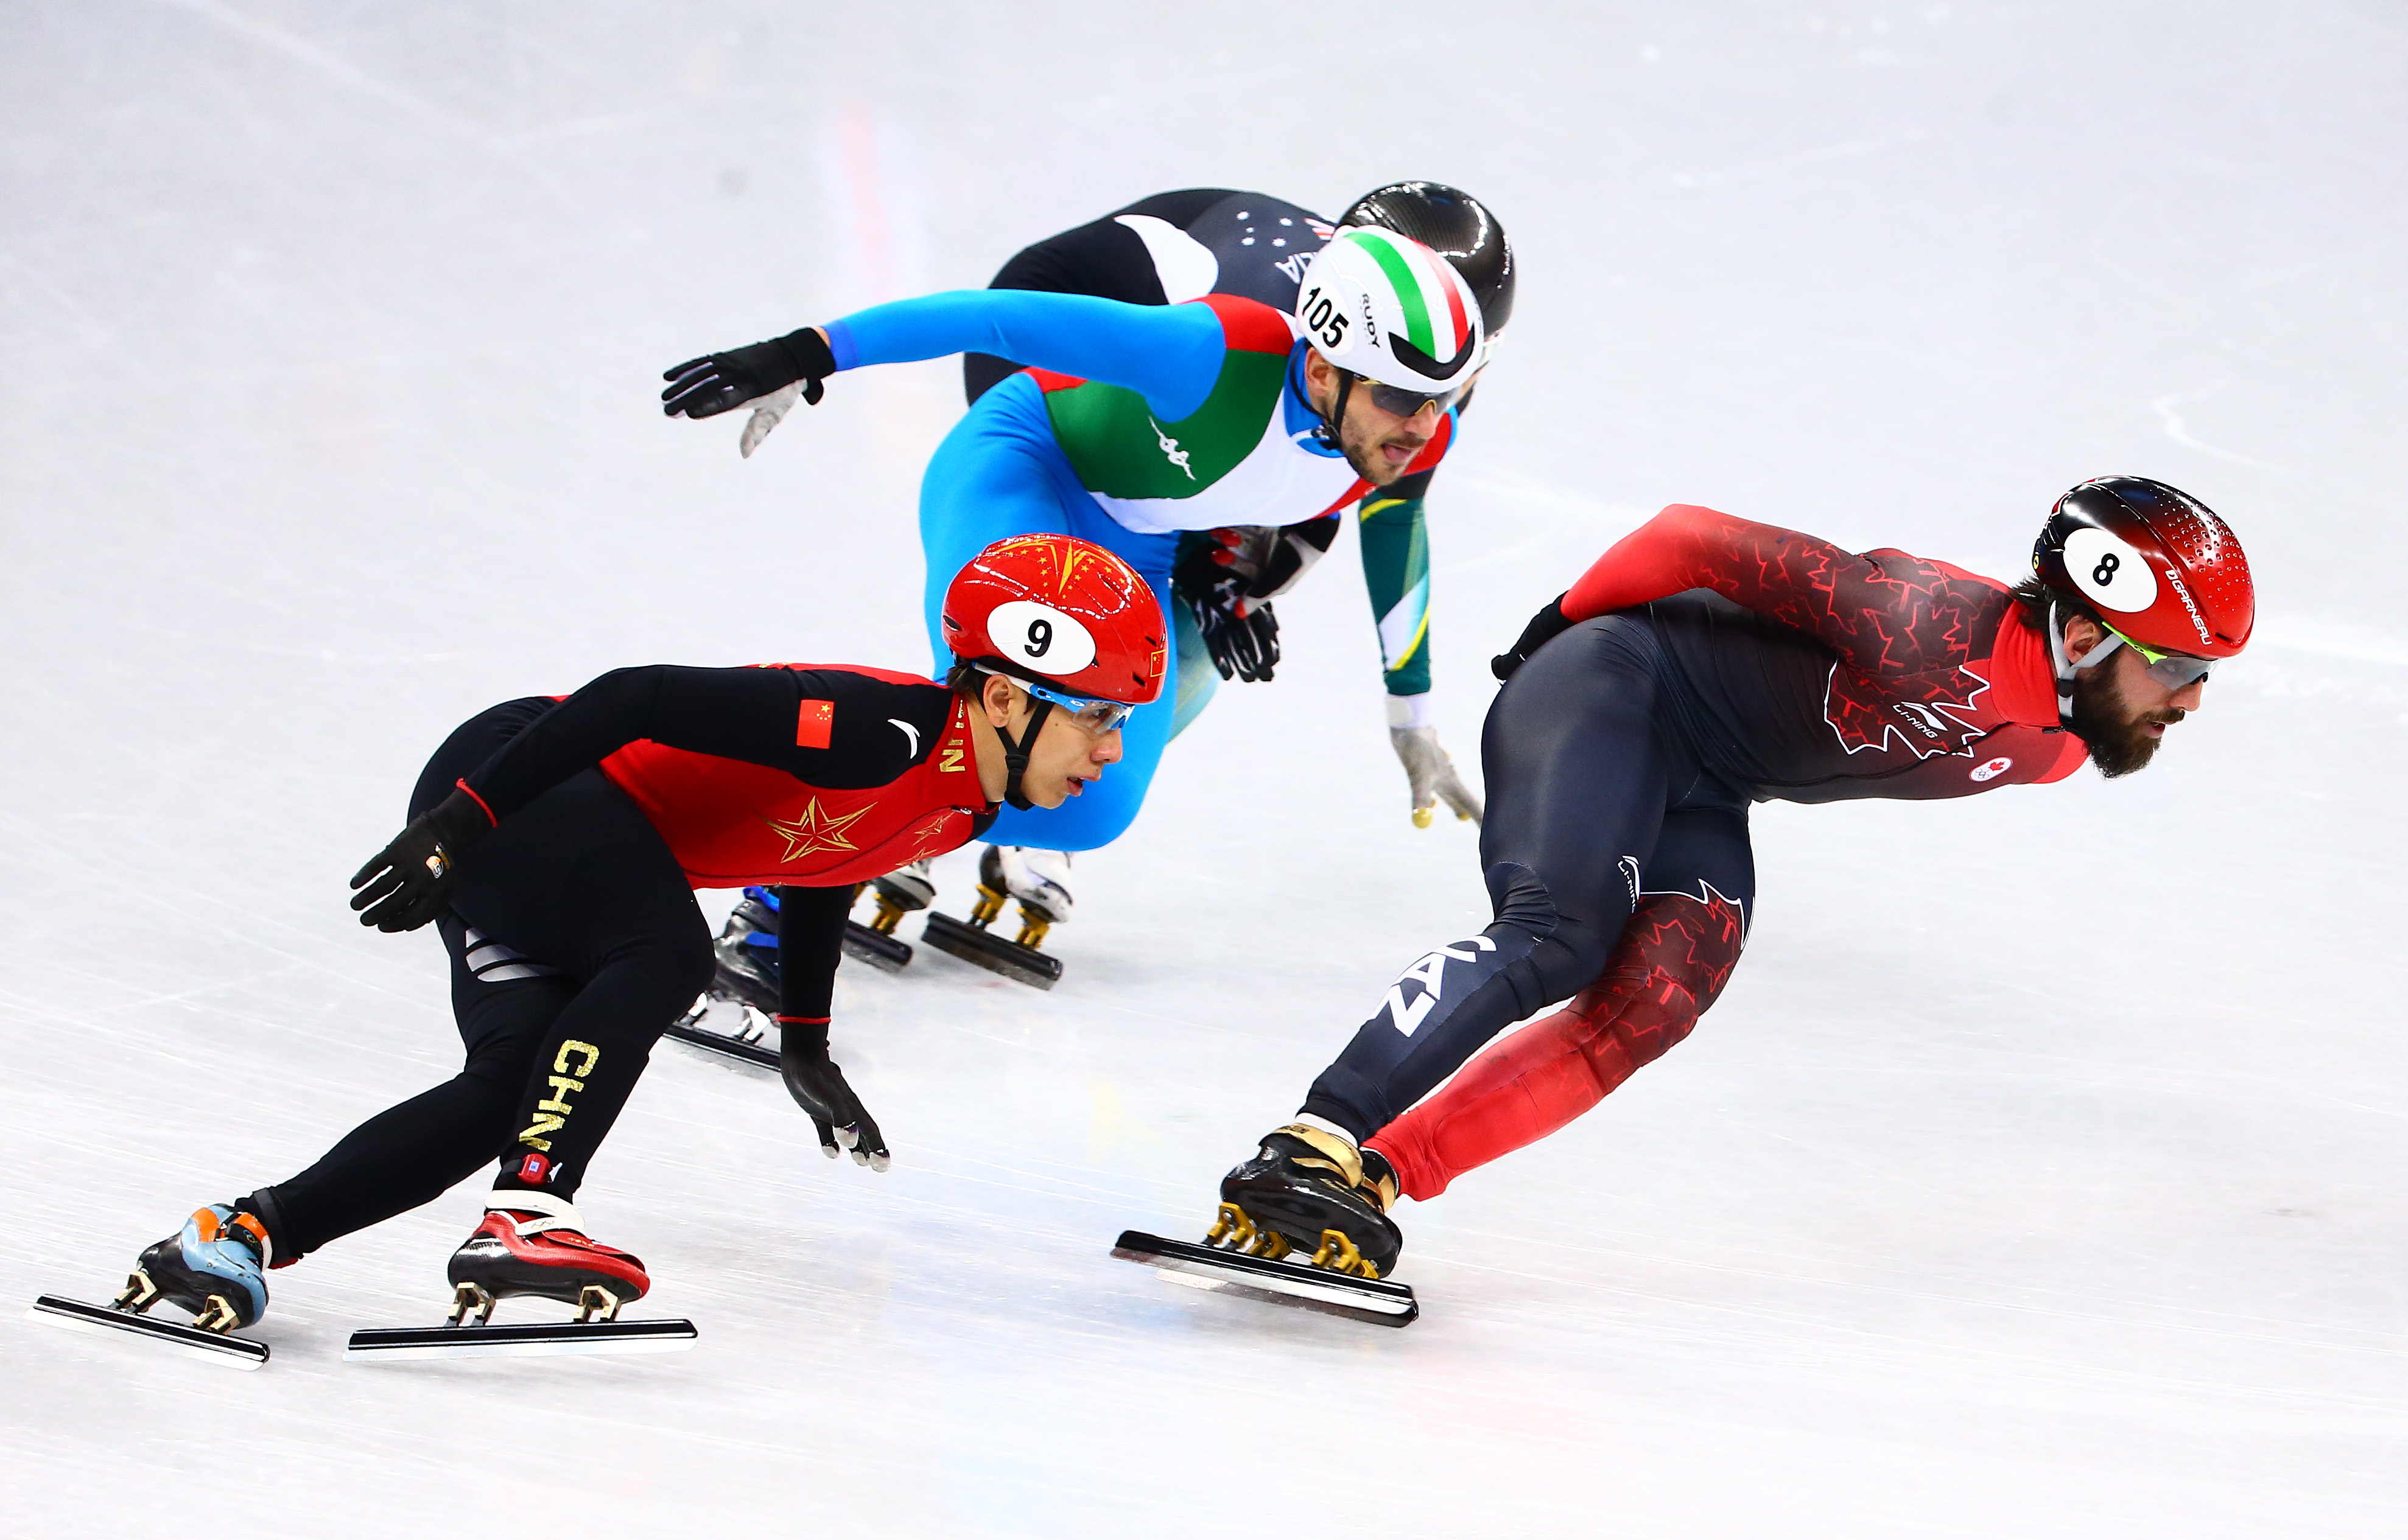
[1703, 664]
[555, 844]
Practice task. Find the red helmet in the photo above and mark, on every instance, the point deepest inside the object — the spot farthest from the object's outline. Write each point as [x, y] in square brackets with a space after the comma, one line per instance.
[2156, 564]
[1064, 612]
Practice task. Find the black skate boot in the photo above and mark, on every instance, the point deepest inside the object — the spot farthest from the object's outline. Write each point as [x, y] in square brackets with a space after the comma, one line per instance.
[1307, 1187]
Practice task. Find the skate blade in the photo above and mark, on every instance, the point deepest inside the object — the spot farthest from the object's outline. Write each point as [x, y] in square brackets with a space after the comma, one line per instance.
[533, 1340]
[1378, 1301]
[882, 952]
[101, 1319]
[985, 949]
[719, 1042]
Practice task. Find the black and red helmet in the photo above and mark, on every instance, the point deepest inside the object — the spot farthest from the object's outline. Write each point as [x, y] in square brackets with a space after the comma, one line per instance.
[2157, 565]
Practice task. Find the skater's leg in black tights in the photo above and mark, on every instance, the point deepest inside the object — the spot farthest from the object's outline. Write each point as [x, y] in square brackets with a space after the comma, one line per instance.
[1580, 772]
[413, 1153]
[575, 941]
[587, 886]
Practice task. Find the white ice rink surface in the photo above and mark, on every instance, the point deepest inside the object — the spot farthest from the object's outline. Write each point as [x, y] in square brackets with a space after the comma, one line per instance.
[2039, 1175]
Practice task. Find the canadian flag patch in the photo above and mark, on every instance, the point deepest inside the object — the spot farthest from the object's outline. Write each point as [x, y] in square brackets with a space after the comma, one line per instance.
[814, 724]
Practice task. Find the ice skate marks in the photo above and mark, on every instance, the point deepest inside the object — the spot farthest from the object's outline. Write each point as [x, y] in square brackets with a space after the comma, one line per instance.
[76, 1316]
[1378, 1301]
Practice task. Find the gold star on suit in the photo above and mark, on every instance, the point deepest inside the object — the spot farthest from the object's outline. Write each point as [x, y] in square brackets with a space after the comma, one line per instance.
[814, 832]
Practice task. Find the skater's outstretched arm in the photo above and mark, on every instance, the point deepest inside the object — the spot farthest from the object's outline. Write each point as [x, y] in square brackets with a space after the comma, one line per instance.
[1860, 604]
[810, 943]
[749, 714]
[1170, 354]
[831, 728]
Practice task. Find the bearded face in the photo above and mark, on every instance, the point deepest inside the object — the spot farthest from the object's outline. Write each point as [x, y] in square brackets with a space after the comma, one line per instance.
[2121, 736]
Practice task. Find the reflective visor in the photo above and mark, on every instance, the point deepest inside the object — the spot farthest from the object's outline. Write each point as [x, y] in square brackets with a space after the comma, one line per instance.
[2170, 670]
[1397, 402]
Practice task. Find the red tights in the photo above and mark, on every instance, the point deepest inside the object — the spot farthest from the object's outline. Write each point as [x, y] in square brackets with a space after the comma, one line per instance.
[1673, 958]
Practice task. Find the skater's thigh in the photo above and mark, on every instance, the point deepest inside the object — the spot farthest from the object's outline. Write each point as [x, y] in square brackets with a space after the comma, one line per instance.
[989, 478]
[470, 745]
[580, 880]
[1195, 680]
[1703, 852]
[505, 1002]
[1577, 772]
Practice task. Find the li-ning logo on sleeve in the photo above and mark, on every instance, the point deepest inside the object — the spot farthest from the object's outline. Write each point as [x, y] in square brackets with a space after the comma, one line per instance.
[1430, 973]
[1171, 450]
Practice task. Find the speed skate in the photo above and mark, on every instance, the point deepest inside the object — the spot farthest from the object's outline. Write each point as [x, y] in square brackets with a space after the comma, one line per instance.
[1303, 1285]
[199, 1341]
[536, 1245]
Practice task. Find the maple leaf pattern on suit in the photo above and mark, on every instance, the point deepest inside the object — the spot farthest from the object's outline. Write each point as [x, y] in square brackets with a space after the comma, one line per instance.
[1904, 628]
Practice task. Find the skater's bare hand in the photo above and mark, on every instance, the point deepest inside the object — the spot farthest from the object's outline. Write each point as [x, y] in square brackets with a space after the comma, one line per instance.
[1430, 771]
[819, 1088]
[409, 882]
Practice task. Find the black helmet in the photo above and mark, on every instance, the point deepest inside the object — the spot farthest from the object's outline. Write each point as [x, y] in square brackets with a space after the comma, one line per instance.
[1458, 227]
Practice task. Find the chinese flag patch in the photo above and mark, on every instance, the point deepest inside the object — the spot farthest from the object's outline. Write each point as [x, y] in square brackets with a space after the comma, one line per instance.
[814, 724]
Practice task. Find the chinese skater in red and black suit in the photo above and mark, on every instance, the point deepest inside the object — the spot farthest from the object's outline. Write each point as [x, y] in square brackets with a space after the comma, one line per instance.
[556, 844]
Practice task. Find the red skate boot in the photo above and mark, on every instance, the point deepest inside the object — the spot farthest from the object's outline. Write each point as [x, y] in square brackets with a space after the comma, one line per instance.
[535, 1243]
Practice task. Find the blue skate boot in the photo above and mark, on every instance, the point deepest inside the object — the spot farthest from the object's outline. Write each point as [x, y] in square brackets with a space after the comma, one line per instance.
[215, 1268]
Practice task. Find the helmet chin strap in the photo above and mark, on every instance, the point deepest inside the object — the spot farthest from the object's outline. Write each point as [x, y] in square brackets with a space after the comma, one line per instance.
[1331, 432]
[2066, 667]
[1016, 754]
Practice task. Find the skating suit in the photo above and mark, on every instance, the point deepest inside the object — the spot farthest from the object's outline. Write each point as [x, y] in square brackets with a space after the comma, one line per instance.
[1714, 663]
[574, 936]
[1175, 247]
[1132, 424]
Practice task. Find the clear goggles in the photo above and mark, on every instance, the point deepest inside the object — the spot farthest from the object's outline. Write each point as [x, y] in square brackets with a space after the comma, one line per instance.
[1097, 717]
[2167, 670]
[1398, 401]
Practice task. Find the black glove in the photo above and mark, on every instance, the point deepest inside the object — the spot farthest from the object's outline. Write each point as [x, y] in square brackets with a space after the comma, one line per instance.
[409, 882]
[1241, 634]
[817, 1085]
[1216, 577]
[717, 382]
[1543, 626]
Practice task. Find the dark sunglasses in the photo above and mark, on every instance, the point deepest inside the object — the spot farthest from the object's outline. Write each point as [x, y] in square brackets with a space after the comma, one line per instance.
[1398, 401]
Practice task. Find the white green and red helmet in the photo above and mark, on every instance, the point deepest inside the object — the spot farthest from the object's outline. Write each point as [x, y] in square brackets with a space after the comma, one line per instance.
[1387, 307]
